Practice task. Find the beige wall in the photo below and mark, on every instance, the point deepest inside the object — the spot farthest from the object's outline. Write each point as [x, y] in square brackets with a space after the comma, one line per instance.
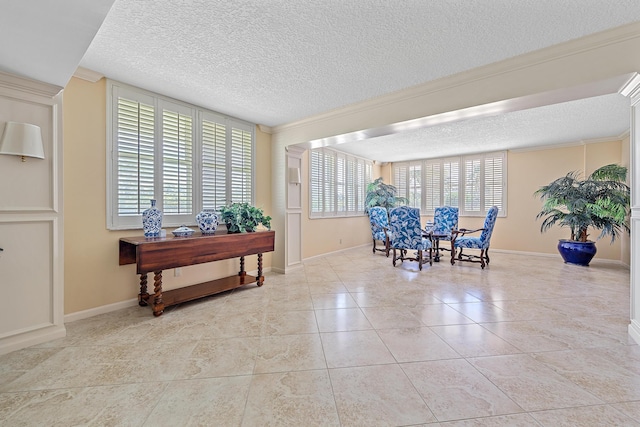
[92, 276]
[518, 231]
[527, 172]
[537, 78]
[325, 235]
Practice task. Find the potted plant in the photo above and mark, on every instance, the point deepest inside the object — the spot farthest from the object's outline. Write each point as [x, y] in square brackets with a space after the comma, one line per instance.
[601, 201]
[381, 194]
[241, 217]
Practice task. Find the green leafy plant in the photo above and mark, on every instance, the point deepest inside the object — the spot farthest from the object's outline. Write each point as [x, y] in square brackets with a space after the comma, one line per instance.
[241, 217]
[601, 201]
[381, 194]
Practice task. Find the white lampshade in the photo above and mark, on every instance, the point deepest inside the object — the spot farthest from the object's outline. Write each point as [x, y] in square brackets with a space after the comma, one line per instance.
[294, 176]
[22, 139]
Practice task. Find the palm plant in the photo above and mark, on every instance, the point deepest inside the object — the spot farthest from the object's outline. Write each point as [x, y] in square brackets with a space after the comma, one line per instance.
[381, 194]
[600, 201]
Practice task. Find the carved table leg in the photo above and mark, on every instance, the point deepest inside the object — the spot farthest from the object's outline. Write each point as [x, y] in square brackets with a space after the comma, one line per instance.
[143, 296]
[158, 305]
[260, 278]
[242, 273]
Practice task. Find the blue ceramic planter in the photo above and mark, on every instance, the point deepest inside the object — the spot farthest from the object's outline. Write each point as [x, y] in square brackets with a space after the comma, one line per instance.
[579, 253]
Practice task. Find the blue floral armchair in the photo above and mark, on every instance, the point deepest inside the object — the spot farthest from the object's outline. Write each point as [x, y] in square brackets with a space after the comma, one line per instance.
[445, 219]
[379, 226]
[460, 240]
[406, 234]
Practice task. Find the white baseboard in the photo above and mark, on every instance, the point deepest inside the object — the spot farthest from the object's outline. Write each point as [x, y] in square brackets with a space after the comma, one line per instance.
[546, 255]
[85, 314]
[30, 338]
[336, 252]
[634, 330]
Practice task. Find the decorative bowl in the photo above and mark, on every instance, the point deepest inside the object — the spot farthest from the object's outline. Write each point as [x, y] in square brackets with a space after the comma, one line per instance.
[183, 231]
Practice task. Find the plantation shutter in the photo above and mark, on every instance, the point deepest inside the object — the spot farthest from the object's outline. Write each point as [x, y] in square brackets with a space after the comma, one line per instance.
[186, 158]
[450, 182]
[177, 163]
[493, 182]
[363, 177]
[472, 185]
[337, 182]
[214, 165]
[400, 180]
[316, 175]
[432, 182]
[329, 181]
[415, 185]
[341, 184]
[135, 141]
[352, 187]
[241, 165]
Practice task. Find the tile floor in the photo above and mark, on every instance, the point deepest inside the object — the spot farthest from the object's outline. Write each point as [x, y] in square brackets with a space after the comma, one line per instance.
[349, 340]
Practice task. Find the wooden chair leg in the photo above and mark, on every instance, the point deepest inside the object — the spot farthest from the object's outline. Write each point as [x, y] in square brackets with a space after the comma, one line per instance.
[374, 246]
[387, 246]
[394, 257]
[482, 264]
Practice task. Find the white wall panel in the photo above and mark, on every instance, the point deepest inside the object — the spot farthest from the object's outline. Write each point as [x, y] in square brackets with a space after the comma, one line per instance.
[27, 276]
[31, 218]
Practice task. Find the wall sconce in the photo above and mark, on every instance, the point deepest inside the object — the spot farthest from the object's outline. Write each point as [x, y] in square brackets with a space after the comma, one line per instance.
[22, 139]
[294, 176]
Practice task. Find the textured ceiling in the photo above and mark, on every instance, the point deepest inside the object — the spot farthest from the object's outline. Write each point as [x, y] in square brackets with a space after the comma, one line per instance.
[569, 122]
[273, 62]
[276, 61]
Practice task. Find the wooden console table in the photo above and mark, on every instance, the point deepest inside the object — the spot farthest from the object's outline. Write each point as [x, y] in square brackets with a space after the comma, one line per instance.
[161, 253]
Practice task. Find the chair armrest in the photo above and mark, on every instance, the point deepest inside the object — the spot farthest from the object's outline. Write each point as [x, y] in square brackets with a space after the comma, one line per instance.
[464, 231]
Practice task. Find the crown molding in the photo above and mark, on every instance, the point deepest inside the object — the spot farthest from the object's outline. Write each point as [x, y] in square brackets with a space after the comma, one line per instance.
[87, 74]
[580, 142]
[520, 62]
[265, 129]
[11, 84]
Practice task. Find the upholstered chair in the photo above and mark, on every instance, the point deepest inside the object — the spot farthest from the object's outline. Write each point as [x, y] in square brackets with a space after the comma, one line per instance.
[445, 219]
[379, 220]
[460, 240]
[405, 234]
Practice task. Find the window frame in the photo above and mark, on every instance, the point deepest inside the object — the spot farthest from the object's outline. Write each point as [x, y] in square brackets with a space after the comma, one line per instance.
[445, 192]
[160, 103]
[325, 189]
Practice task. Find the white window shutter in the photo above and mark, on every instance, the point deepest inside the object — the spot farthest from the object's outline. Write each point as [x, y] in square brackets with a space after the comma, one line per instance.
[214, 164]
[451, 183]
[241, 165]
[135, 145]
[177, 163]
[493, 182]
[472, 193]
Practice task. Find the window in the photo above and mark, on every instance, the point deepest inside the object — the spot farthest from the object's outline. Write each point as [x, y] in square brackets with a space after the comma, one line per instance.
[338, 183]
[472, 183]
[185, 157]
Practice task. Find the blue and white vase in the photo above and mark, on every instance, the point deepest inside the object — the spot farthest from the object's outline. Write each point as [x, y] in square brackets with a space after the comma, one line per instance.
[152, 221]
[207, 221]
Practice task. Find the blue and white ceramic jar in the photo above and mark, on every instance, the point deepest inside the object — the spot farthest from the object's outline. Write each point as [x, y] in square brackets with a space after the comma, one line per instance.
[152, 221]
[207, 221]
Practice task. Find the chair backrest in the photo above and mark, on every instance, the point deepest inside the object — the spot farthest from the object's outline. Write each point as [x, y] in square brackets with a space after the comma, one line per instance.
[378, 219]
[444, 219]
[489, 222]
[405, 228]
